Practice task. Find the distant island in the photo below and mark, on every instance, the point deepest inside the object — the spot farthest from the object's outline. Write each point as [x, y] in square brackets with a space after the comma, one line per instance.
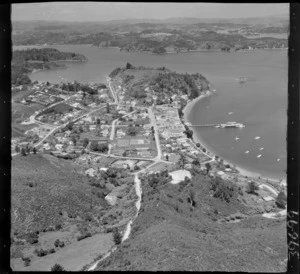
[30, 60]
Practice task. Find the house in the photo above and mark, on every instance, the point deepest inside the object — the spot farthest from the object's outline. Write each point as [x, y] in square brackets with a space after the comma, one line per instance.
[59, 146]
[91, 172]
[111, 199]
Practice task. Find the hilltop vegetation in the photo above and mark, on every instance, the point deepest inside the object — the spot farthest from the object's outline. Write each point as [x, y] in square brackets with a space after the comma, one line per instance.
[164, 83]
[25, 61]
[187, 221]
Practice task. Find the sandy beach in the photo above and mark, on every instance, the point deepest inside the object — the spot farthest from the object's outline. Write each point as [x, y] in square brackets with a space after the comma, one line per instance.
[197, 138]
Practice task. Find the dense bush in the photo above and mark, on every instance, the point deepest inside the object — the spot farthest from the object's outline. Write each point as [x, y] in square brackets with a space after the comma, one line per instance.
[281, 200]
[222, 190]
[41, 252]
[117, 237]
[57, 267]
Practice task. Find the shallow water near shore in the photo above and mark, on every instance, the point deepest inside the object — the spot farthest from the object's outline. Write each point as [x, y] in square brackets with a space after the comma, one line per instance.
[260, 103]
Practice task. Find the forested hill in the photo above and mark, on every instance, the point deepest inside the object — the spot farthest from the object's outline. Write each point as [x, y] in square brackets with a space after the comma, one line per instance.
[25, 61]
[142, 82]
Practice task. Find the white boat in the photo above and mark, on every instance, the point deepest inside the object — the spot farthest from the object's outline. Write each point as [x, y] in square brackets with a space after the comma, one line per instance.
[247, 151]
[257, 137]
[278, 160]
[258, 156]
[230, 113]
[237, 138]
[261, 148]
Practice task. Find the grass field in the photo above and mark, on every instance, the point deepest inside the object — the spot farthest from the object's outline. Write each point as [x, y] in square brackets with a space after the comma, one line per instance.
[21, 112]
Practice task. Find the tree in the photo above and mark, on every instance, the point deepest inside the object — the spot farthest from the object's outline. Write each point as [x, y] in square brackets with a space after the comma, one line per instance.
[85, 142]
[34, 150]
[102, 147]
[131, 109]
[69, 126]
[198, 144]
[80, 129]
[57, 268]
[23, 152]
[208, 167]
[281, 200]
[98, 121]
[117, 237]
[131, 130]
[191, 198]
[189, 133]
[17, 148]
[167, 157]
[107, 108]
[74, 140]
[204, 149]
[196, 162]
[94, 145]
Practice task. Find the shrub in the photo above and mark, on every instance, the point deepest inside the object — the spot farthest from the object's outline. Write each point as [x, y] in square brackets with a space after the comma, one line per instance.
[252, 188]
[281, 200]
[41, 252]
[117, 237]
[222, 190]
[57, 267]
[56, 243]
[51, 250]
[58, 226]
[26, 260]
[88, 217]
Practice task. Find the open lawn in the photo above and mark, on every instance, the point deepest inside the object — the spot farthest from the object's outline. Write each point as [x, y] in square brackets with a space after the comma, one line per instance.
[20, 111]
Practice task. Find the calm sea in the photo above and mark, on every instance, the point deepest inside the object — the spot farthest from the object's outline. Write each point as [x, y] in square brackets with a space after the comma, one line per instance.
[260, 103]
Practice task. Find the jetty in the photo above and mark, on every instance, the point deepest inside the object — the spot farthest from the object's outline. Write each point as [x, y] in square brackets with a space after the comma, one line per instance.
[226, 125]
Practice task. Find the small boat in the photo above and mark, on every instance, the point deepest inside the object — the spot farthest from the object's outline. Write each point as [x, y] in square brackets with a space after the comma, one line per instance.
[258, 156]
[247, 151]
[237, 138]
[230, 113]
[257, 137]
[278, 160]
[261, 148]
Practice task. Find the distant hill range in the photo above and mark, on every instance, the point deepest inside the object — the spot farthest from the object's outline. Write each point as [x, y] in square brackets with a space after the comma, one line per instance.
[157, 36]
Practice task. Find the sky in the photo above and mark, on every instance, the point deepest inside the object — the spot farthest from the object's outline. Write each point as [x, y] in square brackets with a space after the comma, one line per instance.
[105, 11]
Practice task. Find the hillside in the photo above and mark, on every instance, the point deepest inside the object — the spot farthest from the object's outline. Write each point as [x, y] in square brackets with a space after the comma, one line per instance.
[52, 200]
[172, 234]
[161, 82]
[156, 36]
[26, 61]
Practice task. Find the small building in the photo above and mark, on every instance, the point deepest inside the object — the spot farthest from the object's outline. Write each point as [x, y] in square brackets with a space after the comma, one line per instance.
[91, 172]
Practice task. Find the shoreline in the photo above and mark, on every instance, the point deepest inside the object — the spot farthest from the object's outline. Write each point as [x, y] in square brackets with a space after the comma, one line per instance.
[197, 138]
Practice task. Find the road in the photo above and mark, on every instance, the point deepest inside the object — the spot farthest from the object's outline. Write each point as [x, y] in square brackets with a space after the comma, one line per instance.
[112, 91]
[153, 122]
[272, 189]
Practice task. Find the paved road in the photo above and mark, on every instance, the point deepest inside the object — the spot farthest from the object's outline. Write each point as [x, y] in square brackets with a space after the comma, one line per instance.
[272, 189]
[153, 122]
[112, 92]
